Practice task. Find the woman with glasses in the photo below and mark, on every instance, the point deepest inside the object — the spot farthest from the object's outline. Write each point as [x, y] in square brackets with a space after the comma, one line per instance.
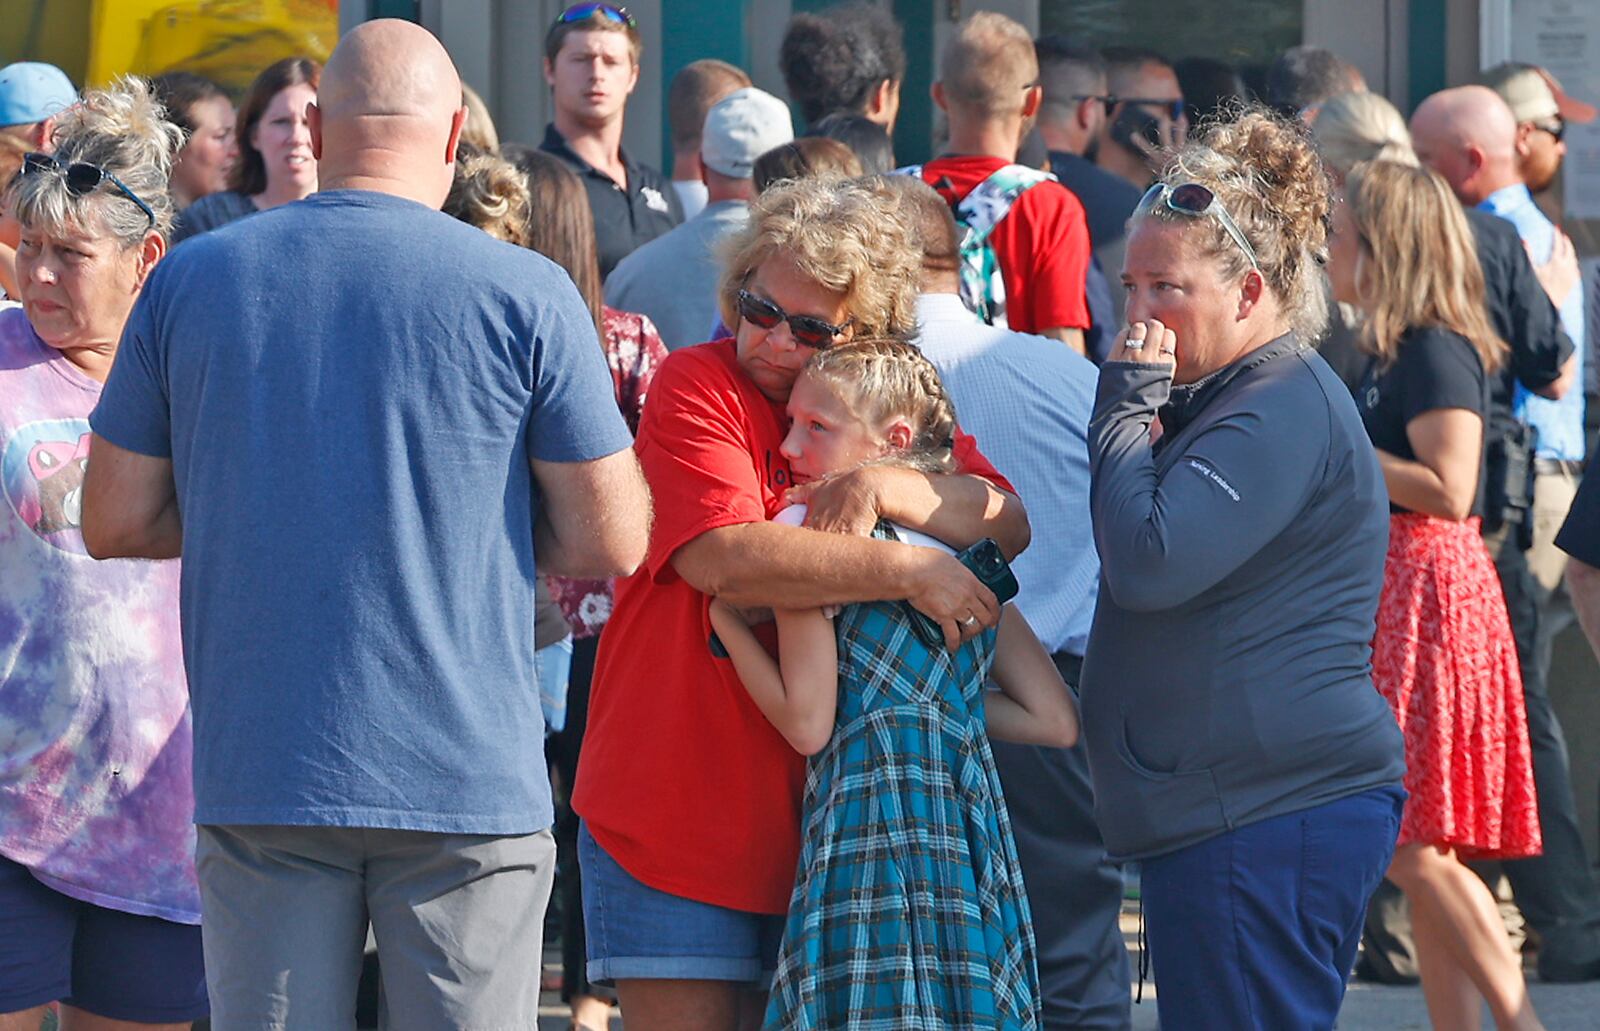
[97, 878]
[690, 799]
[274, 164]
[1444, 656]
[1238, 749]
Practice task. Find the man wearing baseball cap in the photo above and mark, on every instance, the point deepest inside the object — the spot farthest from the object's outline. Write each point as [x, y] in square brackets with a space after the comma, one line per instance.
[673, 278]
[32, 95]
[1543, 111]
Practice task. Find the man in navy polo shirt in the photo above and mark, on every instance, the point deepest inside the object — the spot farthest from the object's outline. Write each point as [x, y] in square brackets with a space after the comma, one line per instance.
[591, 61]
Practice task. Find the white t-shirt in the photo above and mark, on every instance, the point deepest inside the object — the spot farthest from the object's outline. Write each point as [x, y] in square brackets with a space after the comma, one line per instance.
[795, 515]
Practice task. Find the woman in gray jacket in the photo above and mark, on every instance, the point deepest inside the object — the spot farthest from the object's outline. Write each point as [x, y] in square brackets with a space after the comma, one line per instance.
[1238, 747]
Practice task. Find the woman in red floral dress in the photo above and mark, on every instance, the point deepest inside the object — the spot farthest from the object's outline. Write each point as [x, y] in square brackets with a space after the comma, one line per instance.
[563, 231]
[1443, 654]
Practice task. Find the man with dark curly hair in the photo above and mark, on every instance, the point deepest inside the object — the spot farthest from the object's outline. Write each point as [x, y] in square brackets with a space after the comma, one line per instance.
[850, 58]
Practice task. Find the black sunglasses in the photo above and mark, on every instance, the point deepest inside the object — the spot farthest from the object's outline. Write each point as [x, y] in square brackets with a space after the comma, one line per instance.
[610, 12]
[807, 329]
[82, 178]
[1556, 127]
[1174, 108]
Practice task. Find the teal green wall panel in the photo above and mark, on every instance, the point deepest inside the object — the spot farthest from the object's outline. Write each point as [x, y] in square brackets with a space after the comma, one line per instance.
[406, 9]
[1426, 49]
[913, 132]
[695, 29]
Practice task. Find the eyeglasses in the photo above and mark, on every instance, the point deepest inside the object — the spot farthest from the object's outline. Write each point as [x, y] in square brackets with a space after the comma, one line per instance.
[807, 329]
[1196, 201]
[610, 12]
[1556, 127]
[82, 178]
[1174, 108]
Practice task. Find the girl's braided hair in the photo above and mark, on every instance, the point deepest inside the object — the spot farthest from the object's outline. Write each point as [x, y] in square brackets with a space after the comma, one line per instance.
[882, 378]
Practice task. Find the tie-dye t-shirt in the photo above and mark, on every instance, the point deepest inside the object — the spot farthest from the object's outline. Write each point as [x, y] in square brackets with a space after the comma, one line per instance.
[95, 742]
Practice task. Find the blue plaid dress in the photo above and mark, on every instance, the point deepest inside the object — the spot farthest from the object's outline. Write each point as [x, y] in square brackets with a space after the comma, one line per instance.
[909, 912]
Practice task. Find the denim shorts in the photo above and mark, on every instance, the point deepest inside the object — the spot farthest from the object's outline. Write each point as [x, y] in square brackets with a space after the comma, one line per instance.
[637, 932]
[113, 964]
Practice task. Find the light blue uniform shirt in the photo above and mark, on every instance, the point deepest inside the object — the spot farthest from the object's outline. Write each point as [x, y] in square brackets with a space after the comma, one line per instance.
[1027, 400]
[1560, 423]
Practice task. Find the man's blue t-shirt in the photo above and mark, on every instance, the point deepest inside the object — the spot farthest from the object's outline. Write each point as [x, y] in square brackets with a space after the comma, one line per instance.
[350, 388]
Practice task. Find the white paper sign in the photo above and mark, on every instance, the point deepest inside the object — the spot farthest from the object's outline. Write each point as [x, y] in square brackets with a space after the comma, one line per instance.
[1563, 36]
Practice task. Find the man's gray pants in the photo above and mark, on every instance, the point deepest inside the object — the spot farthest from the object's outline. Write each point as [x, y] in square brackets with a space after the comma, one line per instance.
[1074, 891]
[458, 918]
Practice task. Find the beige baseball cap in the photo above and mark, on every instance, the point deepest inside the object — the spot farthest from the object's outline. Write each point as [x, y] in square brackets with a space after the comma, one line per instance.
[1534, 95]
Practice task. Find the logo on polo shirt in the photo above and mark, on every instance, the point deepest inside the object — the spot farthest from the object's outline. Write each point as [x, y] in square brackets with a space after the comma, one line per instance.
[653, 199]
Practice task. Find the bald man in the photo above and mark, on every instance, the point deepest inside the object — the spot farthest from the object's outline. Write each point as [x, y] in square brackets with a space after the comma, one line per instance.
[372, 418]
[1468, 135]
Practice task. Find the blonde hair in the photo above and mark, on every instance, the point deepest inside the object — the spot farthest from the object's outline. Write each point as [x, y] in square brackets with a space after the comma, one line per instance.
[1418, 264]
[849, 236]
[1356, 127]
[124, 130]
[881, 379]
[1263, 169]
[479, 130]
[988, 64]
[491, 194]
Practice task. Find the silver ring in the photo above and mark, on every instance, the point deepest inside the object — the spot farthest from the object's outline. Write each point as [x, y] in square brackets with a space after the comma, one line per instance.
[1168, 350]
[1133, 345]
[970, 621]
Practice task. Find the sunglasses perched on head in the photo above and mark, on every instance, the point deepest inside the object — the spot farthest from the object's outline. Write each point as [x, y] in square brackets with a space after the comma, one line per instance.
[807, 329]
[1196, 201]
[82, 178]
[610, 12]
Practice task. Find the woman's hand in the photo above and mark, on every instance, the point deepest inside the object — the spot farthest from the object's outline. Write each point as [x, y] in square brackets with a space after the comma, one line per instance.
[1148, 343]
[948, 593]
[846, 502]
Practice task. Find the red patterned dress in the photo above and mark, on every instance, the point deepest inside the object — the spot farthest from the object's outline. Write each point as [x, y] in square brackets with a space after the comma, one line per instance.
[634, 352]
[1443, 654]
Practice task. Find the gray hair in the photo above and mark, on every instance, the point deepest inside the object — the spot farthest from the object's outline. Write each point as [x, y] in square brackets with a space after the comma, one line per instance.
[124, 130]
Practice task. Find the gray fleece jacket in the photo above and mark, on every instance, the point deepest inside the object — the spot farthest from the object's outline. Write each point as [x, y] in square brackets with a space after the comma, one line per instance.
[1228, 677]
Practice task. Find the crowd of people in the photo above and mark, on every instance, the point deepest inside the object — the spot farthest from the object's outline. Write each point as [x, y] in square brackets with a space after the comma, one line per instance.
[821, 576]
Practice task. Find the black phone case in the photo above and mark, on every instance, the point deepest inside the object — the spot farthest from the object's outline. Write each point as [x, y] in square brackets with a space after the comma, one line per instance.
[989, 565]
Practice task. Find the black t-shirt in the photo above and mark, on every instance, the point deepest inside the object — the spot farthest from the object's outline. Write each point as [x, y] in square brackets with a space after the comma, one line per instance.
[1580, 534]
[624, 219]
[1435, 368]
[1521, 313]
[1108, 200]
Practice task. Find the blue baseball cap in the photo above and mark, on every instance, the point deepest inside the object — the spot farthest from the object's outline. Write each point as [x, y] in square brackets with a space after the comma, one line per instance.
[31, 91]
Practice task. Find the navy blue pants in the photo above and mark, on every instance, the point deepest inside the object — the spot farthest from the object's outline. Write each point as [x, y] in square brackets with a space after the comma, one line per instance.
[1258, 928]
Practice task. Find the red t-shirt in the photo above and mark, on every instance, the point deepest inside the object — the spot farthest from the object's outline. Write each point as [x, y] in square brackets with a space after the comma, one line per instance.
[1041, 246]
[682, 780]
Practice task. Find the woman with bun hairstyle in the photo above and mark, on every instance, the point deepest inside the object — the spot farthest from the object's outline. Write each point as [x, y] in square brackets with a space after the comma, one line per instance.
[1443, 657]
[98, 895]
[1238, 748]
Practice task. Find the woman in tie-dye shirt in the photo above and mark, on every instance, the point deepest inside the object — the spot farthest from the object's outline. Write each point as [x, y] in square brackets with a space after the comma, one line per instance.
[97, 882]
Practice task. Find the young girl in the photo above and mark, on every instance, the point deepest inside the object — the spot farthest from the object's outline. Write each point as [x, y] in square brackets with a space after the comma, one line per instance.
[909, 909]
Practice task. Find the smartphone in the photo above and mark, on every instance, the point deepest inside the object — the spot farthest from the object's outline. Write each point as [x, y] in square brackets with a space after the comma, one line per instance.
[989, 565]
[1135, 122]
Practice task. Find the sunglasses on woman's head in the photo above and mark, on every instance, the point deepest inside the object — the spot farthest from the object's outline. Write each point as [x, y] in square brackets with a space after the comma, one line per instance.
[807, 329]
[82, 178]
[1196, 201]
[610, 12]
